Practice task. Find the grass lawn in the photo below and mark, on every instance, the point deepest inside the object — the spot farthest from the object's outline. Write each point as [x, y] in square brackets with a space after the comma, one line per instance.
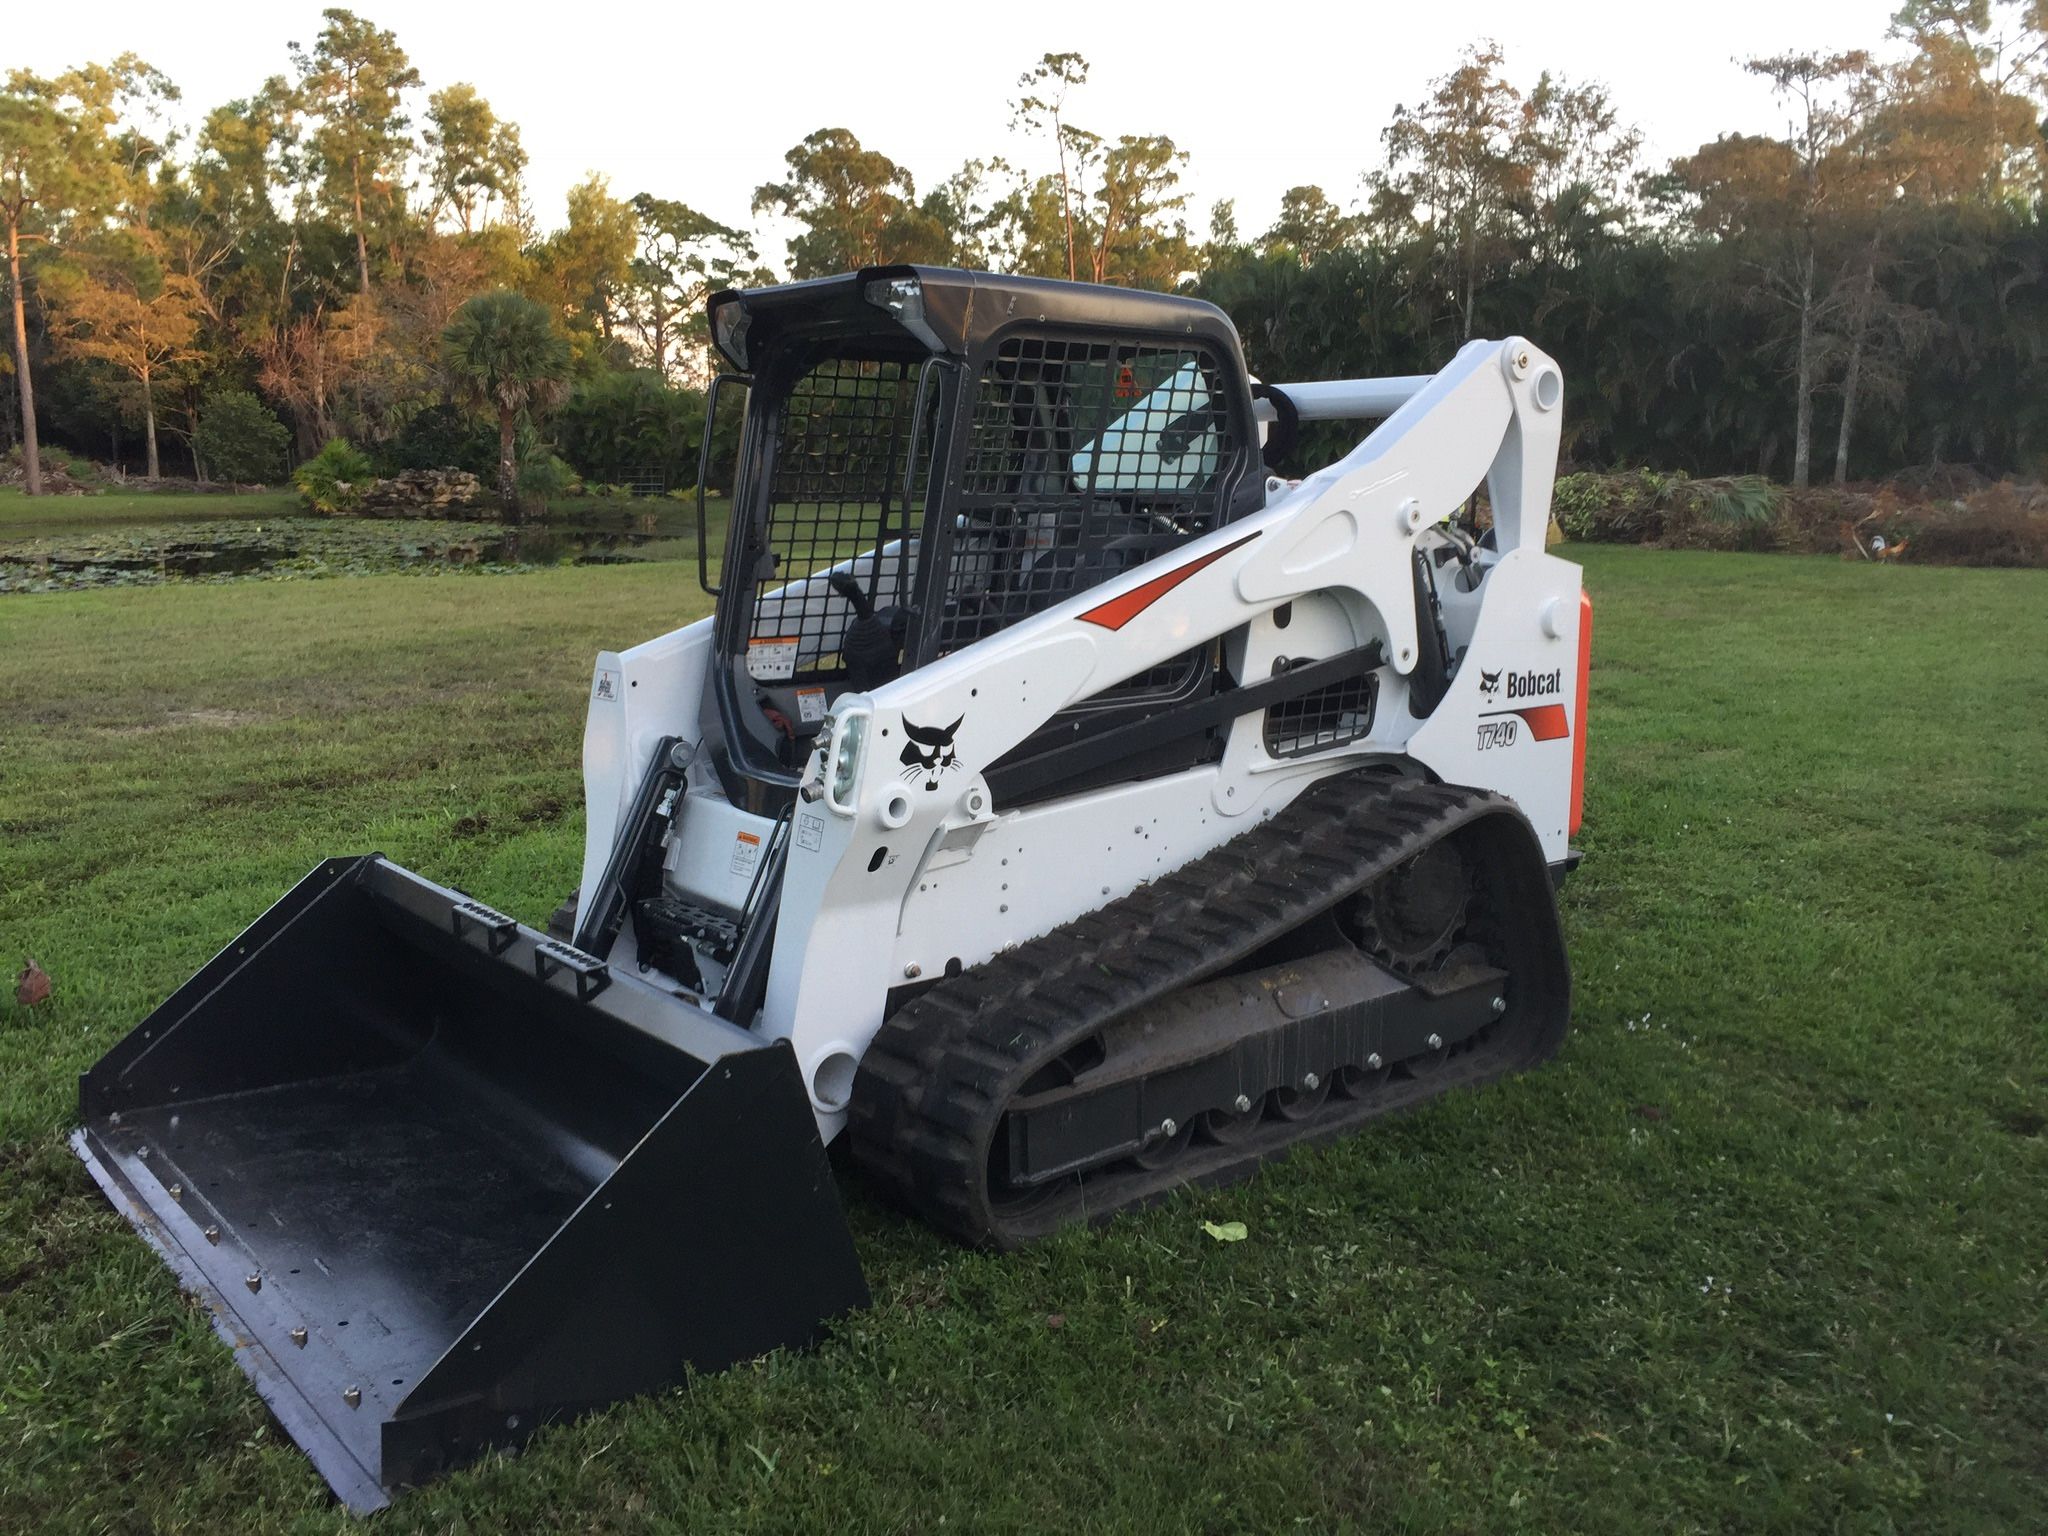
[21, 515]
[1766, 1248]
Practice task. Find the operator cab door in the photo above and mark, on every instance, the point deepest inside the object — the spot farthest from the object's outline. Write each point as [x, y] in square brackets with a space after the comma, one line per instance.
[1078, 457]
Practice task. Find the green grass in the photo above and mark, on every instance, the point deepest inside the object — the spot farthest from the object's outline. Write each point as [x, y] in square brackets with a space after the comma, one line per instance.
[22, 515]
[1763, 1249]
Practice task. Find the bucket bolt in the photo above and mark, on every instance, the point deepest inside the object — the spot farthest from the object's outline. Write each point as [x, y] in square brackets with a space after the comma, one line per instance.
[1436, 1042]
[254, 1282]
[177, 1192]
[299, 1335]
[353, 1396]
[212, 1234]
[1310, 1082]
[1373, 1062]
[1243, 1104]
[1500, 1005]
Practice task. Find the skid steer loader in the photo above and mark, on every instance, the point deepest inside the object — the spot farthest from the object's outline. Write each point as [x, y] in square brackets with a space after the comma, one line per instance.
[1057, 809]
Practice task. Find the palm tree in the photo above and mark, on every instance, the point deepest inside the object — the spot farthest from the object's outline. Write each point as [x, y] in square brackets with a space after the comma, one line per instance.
[502, 352]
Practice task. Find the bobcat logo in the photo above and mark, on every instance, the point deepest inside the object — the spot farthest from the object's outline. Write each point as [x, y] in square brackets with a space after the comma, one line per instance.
[929, 752]
[1489, 683]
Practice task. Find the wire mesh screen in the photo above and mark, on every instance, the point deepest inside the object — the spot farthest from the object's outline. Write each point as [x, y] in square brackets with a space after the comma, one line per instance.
[837, 488]
[1317, 721]
[1084, 459]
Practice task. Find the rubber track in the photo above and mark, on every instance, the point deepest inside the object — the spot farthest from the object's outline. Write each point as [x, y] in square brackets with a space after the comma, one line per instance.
[932, 1089]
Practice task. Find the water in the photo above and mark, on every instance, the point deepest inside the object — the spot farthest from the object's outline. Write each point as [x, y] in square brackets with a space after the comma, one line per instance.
[59, 557]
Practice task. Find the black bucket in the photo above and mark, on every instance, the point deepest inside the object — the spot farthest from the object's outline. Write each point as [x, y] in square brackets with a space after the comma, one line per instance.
[442, 1179]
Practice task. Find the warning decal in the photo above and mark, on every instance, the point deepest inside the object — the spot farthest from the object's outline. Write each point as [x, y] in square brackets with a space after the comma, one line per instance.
[810, 705]
[746, 853]
[606, 688]
[810, 831]
[772, 660]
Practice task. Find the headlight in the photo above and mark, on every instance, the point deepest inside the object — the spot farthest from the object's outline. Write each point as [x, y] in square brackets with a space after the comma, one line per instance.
[843, 774]
[729, 324]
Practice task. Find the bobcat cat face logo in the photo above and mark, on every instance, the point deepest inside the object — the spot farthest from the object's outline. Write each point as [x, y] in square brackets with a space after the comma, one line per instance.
[1489, 682]
[929, 752]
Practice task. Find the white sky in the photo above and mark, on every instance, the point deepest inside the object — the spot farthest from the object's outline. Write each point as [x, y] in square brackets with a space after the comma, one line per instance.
[699, 103]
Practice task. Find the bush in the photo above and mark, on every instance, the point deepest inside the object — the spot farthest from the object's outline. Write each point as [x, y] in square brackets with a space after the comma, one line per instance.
[543, 476]
[2003, 524]
[239, 438]
[333, 480]
[617, 423]
[443, 437]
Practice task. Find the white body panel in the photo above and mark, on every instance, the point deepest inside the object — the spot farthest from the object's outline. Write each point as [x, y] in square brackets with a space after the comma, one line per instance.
[913, 874]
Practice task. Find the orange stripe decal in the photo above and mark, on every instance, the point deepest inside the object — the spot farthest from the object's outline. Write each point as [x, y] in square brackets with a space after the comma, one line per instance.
[1119, 611]
[1579, 741]
[1546, 722]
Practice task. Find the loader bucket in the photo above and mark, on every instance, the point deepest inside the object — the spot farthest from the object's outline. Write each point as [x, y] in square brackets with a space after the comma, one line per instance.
[442, 1179]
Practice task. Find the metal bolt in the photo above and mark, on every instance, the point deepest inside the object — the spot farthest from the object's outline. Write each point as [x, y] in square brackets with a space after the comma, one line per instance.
[1500, 1005]
[1244, 1104]
[213, 1234]
[299, 1336]
[913, 970]
[1435, 1042]
[1372, 1062]
[353, 1396]
[177, 1192]
[1310, 1081]
[254, 1282]
[143, 1153]
[1167, 1127]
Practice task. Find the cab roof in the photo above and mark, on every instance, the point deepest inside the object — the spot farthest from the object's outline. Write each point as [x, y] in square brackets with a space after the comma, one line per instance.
[951, 312]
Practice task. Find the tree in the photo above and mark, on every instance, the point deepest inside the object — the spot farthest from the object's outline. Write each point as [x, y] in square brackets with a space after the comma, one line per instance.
[352, 82]
[1579, 162]
[858, 208]
[58, 161]
[238, 439]
[502, 352]
[1971, 89]
[474, 159]
[1138, 237]
[586, 266]
[1771, 202]
[684, 257]
[1311, 226]
[121, 307]
[1454, 174]
[1043, 110]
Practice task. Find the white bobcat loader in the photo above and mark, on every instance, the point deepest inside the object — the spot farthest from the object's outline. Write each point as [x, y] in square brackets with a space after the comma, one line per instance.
[1056, 810]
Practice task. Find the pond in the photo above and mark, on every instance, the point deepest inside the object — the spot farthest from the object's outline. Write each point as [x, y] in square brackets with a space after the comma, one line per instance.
[68, 556]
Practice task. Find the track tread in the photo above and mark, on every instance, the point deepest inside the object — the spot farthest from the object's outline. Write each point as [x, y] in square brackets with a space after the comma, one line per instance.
[932, 1086]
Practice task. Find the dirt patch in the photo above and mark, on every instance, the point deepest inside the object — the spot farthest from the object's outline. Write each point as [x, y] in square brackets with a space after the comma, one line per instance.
[547, 808]
[208, 719]
[2021, 1122]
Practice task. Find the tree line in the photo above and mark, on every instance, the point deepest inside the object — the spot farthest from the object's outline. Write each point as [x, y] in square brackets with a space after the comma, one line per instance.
[1858, 292]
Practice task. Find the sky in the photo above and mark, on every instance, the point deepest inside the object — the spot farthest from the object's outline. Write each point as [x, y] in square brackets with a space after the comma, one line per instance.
[698, 103]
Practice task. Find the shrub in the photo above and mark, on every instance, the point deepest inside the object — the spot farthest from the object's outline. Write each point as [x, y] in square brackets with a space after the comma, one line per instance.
[333, 480]
[543, 476]
[443, 437]
[620, 422]
[239, 438]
